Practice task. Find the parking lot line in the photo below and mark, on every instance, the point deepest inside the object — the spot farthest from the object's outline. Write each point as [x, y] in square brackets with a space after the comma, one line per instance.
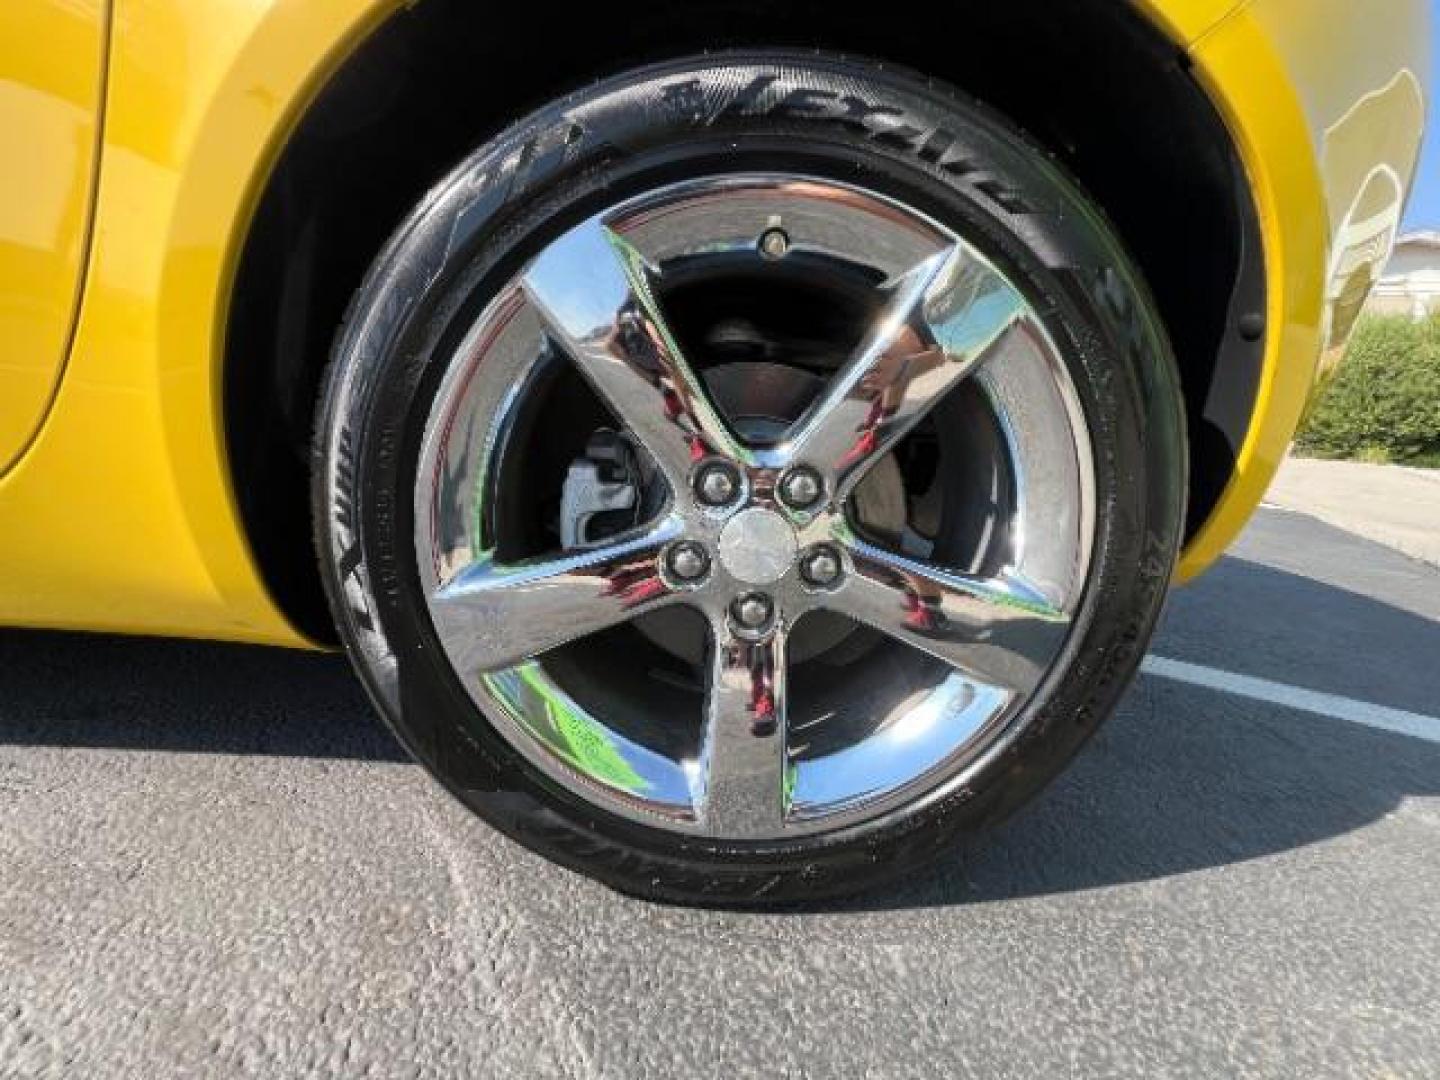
[1416, 725]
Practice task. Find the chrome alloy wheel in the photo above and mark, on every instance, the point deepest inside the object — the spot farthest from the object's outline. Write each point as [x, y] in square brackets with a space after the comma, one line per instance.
[758, 532]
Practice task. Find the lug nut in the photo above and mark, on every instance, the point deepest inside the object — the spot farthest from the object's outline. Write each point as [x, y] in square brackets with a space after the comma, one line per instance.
[688, 561]
[717, 484]
[774, 243]
[801, 488]
[752, 611]
[821, 566]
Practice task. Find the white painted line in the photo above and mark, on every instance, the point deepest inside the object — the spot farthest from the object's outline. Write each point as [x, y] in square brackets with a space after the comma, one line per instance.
[1416, 725]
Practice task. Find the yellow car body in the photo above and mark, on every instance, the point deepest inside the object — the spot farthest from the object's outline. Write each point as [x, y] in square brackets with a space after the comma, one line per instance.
[142, 136]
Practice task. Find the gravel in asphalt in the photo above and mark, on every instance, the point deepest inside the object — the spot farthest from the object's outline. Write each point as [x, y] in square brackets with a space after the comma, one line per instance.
[214, 862]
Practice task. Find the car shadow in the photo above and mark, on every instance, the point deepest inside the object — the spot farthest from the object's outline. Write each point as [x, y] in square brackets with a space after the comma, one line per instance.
[104, 692]
[1181, 779]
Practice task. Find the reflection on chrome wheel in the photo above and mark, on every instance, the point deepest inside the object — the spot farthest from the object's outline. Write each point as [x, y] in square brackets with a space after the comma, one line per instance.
[757, 533]
[738, 506]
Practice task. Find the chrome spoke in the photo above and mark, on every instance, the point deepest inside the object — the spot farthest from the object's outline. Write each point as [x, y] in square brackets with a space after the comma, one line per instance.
[943, 318]
[740, 786]
[492, 616]
[594, 291]
[999, 630]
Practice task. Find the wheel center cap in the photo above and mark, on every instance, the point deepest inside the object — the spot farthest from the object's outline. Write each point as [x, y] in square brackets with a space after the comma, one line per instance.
[757, 546]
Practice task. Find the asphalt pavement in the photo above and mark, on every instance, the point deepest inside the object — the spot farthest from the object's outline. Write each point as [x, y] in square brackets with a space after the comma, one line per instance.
[214, 862]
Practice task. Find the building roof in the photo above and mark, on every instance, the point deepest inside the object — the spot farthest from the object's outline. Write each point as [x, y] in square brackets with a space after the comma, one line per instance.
[1420, 238]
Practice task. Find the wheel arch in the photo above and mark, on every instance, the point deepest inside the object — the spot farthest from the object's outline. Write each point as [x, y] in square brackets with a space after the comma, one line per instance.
[399, 96]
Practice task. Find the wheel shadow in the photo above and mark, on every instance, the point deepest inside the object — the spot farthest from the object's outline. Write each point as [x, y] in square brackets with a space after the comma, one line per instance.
[1181, 779]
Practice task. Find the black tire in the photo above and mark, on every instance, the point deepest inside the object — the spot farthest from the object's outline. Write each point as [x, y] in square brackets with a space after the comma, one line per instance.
[856, 121]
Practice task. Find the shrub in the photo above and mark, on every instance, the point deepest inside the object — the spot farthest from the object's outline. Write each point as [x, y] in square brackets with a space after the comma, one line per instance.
[1384, 402]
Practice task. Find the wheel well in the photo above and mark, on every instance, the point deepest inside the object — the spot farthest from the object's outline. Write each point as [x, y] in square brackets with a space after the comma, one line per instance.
[1090, 80]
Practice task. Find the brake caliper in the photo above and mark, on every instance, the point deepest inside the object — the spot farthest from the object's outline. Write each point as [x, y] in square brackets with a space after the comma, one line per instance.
[602, 492]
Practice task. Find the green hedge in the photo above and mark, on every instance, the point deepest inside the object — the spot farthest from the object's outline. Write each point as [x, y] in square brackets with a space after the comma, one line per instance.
[1384, 403]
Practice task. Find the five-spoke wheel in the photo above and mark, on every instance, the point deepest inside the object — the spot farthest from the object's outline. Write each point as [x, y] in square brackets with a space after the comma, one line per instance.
[740, 501]
[756, 534]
